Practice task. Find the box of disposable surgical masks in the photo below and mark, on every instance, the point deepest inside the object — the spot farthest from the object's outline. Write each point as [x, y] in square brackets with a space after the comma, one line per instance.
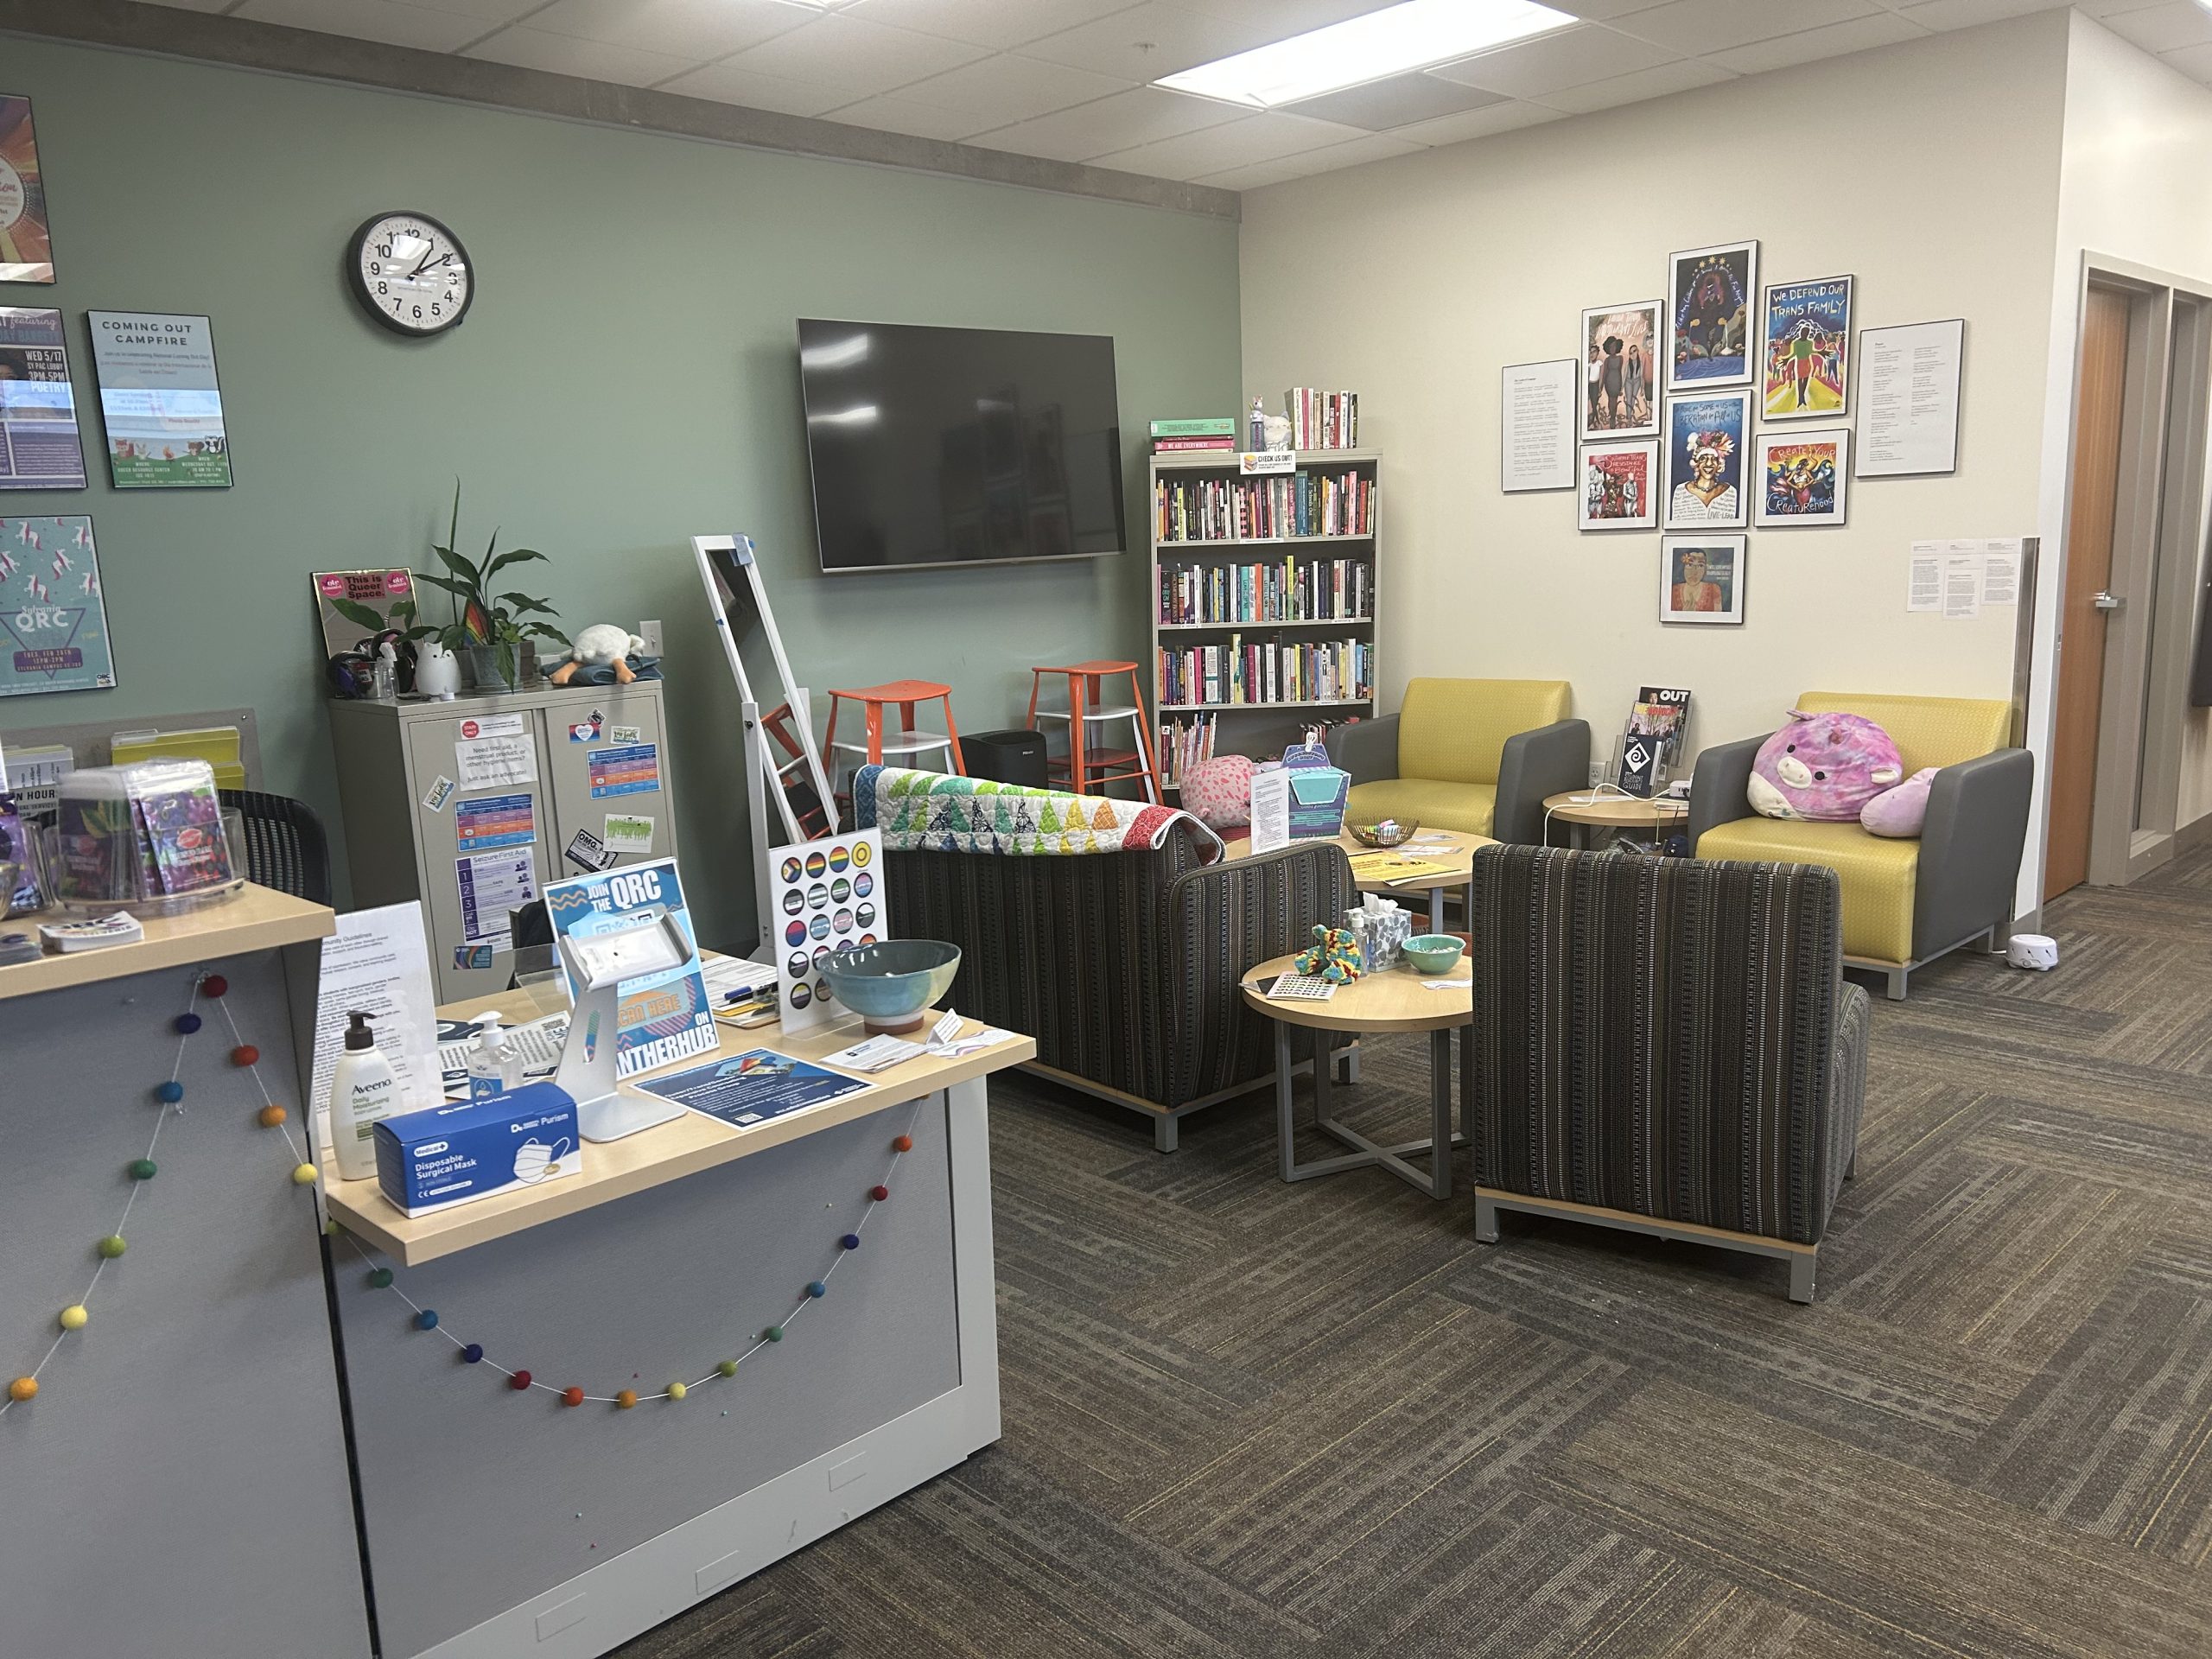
[478, 1148]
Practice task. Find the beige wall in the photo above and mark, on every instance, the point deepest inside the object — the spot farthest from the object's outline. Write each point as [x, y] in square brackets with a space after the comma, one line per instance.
[2133, 186]
[1929, 171]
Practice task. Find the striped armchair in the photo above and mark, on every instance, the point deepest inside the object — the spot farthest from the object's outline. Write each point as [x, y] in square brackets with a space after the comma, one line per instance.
[1665, 1045]
[1124, 966]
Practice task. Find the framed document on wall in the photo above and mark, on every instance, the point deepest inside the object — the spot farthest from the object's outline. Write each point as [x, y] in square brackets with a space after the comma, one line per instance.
[159, 400]
[1908, 398]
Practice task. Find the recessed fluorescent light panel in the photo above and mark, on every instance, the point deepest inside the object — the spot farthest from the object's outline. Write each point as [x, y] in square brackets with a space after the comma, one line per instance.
[1411, 35]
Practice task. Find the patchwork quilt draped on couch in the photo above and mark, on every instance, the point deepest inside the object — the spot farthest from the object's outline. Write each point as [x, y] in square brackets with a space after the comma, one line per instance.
[1121, 960]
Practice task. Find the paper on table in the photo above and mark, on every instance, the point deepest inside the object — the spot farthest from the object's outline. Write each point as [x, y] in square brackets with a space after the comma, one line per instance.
[537, 1044]
[2000, 571]
[1924, 589]
[877, 1053]
[1447, 984]
[724, 974]
[1271, 810]
[378, 964]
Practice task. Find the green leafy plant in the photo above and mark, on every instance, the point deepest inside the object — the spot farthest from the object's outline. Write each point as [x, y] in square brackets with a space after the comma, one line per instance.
[479, 617]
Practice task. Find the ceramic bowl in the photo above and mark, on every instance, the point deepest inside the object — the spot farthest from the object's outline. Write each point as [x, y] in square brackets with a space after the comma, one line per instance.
[1390, 832]
[890, 983]
[1432, 953]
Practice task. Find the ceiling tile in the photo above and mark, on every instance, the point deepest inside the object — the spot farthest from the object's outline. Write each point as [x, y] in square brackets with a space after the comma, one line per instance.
[727, 84]
[385, 21]
[995, 23]
[1706, 26]
[843, 51]
[1153, 39]
[2195, 61]
[2165, 28]
[1966, 14]
[1860, 34]
[564, 54]
[1236, 144]
[196, 5]
[1381, 105]
[683, 28]
[1644, 83]
[2094, 8]
[1573, 57]
[1375, 146]
[1008, 88]
[1278, 20]
[1478, 123]
[1116, 123]
[1599, 11]
[488, 12]
[895, 112]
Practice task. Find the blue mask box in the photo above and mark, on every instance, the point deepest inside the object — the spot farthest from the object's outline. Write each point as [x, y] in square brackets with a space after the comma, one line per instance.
[477, 1148]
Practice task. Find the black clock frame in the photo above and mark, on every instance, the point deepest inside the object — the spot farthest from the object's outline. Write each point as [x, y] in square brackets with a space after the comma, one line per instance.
[359, 284]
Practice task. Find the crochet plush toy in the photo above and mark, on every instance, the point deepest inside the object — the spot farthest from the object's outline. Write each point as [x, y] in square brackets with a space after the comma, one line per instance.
[1334, 955]
[1824, 768]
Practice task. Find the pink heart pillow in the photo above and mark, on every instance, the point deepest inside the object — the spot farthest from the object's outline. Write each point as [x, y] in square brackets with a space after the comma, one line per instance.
[1219, 792]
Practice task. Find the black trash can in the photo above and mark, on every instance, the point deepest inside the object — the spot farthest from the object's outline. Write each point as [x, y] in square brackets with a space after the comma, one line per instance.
[1015, 757]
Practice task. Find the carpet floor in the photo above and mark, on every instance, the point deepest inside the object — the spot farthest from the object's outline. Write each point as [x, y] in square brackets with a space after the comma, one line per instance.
[1242, 1418]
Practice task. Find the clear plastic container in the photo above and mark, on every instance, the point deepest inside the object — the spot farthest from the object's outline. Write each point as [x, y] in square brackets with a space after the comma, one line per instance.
[151, 839]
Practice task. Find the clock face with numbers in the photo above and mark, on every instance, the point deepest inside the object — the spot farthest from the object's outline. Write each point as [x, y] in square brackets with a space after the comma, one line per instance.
[411, 273]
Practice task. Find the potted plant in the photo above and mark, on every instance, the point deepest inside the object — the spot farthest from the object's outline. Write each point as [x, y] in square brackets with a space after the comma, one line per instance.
[493, 632]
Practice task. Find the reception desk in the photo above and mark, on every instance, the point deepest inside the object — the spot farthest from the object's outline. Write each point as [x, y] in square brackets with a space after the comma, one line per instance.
[189, 1477]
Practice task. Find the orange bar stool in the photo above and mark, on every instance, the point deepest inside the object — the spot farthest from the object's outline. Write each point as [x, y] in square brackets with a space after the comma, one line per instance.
[1088, 764]
[905, 746]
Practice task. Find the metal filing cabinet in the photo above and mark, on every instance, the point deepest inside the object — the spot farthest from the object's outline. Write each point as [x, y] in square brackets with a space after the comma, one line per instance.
[473, 805]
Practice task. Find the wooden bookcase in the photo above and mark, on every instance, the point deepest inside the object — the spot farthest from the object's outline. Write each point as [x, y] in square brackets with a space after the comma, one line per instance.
[1262, 729]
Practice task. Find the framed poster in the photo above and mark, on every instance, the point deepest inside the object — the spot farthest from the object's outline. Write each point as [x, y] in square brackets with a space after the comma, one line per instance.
[53, 621]
[1535, 424]
[1707, 437]
[1620, 369]
[660, 1017]
[828, 896]
[159, 401]
[1803, 477]
[40, 447]
[1620, 486]
[1701, 579]
[1710, 295]
[1806, 337]
[26, 242]
[1908, 384]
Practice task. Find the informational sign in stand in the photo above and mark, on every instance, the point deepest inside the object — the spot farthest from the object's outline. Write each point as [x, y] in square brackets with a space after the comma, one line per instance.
[828, 896]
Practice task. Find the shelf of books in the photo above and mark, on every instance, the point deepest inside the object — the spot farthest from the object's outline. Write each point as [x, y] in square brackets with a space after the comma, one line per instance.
[1264, 595]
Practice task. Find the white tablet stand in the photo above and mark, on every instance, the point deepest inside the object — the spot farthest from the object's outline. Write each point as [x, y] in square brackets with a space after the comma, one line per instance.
[598, 964]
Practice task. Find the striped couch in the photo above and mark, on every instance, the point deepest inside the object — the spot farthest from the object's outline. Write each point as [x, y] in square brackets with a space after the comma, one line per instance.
[1124, 966]
[1665, 1045]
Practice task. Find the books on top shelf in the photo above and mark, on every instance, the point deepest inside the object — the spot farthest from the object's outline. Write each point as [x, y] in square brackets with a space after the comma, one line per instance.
[1287, 590]
[1286, 504]
[1322, 420]
[1181, 436]
[1248, 673]
[1184, 744]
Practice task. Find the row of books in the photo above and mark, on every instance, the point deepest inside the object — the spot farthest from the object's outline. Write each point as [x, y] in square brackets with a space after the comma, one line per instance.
[1315, 590]
[1322, 420]
[1268, 671]
[1183, 744]
[1202, 432]
[1288, 504]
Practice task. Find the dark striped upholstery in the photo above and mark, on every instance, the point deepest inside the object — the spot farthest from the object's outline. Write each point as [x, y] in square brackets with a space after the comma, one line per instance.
[1668, 1037]
[1123, 966]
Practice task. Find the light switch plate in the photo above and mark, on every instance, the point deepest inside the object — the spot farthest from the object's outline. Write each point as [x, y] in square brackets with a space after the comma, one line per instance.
[649, 632]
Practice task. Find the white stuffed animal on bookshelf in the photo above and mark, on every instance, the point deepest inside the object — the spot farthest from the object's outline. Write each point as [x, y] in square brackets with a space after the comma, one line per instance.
[602, 645]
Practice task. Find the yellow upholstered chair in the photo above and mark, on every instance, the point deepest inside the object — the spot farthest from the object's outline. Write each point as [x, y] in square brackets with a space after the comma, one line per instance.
[1904, 902]
[1478, 756]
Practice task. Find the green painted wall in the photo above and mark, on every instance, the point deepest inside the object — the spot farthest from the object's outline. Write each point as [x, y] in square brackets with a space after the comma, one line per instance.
[627, 379]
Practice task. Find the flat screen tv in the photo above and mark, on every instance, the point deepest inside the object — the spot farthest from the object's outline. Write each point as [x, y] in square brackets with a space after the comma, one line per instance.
[960, 446]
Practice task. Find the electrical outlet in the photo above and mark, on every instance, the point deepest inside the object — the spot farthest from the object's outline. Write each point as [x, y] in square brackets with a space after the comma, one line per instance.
[649, 632]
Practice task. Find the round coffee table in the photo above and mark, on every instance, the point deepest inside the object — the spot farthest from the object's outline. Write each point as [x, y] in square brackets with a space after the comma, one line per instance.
[1582, 810]
[1397, 999]
[1455, 856]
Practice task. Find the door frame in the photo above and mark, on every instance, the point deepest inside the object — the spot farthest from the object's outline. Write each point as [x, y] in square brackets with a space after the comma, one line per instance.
[2159, 525]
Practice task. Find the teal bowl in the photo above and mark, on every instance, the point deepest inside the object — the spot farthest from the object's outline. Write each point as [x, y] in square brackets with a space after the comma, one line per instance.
[890, 983]
[1432, 953]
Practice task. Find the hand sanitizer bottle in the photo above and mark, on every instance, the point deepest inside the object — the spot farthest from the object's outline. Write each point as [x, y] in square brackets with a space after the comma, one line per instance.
[362, 1088]
[494, 1068]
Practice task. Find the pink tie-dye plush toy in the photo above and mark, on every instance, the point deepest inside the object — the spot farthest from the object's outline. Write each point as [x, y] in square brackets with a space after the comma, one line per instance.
[1824, 767]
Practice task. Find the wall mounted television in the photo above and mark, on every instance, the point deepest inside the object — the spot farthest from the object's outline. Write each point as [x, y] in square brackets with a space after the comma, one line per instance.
[960, 446]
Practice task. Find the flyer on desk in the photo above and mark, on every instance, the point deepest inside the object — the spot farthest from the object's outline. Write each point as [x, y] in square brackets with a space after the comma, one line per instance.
[752, 1087]
[661, 1017]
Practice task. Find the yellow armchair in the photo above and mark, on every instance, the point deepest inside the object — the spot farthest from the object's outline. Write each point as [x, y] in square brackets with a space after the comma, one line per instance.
[1904, 902]
[1478, 756]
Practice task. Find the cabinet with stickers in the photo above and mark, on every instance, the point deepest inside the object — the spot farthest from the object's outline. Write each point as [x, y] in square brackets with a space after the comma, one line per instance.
[473, 805]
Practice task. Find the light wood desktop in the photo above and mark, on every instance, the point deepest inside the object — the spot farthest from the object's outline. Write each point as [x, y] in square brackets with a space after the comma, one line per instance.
[1455, 855]
[1584, 810]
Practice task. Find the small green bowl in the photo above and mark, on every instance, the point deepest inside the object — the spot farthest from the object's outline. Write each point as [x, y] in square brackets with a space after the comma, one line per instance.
[1432, 953]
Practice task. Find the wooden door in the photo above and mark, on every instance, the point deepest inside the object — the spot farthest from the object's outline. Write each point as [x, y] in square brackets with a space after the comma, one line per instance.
[2088, 572]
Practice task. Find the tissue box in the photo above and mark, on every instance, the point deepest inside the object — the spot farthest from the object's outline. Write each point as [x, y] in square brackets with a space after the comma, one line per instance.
[478, 1148]
[1382, 934]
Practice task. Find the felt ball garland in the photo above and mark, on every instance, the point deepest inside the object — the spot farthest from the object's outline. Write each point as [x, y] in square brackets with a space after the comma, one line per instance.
[168, 1096]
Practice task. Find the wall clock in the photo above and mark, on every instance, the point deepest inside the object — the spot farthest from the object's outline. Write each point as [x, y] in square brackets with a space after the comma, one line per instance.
[411, 273]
